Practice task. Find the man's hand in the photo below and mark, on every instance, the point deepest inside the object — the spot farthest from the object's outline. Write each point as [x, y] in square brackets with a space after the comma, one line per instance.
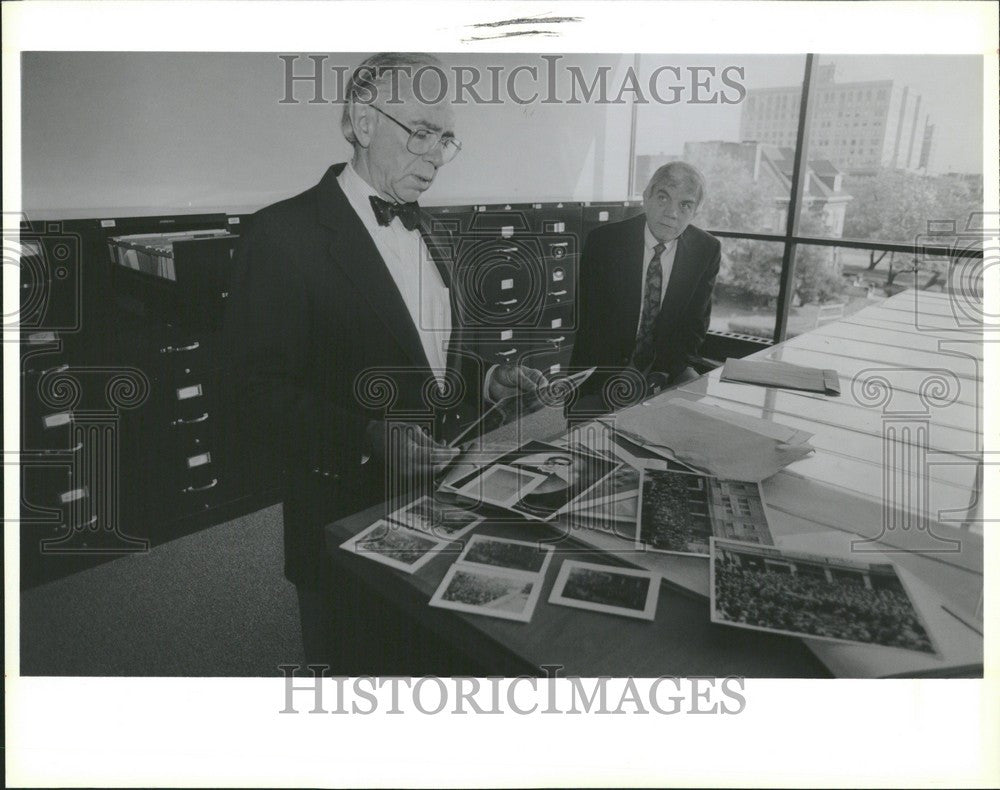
[409, 448]
[510, 380]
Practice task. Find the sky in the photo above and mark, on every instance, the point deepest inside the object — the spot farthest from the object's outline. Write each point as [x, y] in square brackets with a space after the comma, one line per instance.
[951, 87]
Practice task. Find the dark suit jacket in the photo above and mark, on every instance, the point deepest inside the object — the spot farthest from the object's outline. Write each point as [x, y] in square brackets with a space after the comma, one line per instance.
[320, 342]
[610, 298]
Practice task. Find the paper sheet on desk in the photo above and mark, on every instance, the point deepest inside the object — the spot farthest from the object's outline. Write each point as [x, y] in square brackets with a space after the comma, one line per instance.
[781, 374]
[715, 440]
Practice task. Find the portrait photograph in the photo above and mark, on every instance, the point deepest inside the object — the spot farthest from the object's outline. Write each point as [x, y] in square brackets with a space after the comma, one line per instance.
[564, 475]
[500, 485]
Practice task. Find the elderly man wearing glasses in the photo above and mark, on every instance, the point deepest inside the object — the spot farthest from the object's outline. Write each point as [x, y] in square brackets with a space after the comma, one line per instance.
[341, 319]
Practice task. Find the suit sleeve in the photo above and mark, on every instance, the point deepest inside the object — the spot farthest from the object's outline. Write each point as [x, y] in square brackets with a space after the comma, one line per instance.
[694, 327]
[269, 342]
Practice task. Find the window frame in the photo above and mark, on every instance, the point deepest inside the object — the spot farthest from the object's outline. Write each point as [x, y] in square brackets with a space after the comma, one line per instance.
[791, 239]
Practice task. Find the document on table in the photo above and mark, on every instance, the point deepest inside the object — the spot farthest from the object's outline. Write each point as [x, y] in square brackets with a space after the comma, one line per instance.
[784, 375]
[714, 440]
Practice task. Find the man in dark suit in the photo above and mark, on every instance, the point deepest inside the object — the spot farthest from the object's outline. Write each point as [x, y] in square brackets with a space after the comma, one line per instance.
[646, 291]
[340, 336]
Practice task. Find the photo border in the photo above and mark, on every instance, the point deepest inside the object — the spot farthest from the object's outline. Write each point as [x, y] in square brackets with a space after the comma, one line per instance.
[542, 548]
[524, 616]
[641, 545]
[568, 566]
[935, 650]
[396, 517]
[351, 545]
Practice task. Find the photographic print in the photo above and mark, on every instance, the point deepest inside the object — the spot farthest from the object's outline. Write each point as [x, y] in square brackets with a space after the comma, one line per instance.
[679, 512]
[499, 485]
[833, 598]
[494, 593]
[609, 589]
[564, 475]
[435, 518]
[394, 545]
[513, 555]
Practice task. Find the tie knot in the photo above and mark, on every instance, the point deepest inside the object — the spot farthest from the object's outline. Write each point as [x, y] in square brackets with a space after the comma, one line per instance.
[408, 213]
[658, 249]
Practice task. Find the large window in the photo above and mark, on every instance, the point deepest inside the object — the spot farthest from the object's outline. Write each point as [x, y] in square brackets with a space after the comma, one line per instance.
[886, 160]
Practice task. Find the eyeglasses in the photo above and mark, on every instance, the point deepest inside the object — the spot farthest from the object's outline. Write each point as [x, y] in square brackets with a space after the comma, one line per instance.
[423, 141]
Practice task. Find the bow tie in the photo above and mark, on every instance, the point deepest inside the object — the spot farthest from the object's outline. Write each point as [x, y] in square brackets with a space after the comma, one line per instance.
[408, 213]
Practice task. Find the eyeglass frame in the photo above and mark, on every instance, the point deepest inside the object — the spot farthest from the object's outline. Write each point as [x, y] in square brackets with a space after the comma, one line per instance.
[440, 139]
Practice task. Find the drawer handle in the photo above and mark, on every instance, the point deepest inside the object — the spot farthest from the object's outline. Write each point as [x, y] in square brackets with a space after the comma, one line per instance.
[507, 302]
[87, 523]
[56, 369]
[558, 293]
[175, 349]
[59, 451]
[506, 354]
[557, 340]
[192, 421]
[195, 489]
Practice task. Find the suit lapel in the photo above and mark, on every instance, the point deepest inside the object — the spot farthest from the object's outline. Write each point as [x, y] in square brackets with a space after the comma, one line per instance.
[354, 251]
[440, 245]
[632, 253]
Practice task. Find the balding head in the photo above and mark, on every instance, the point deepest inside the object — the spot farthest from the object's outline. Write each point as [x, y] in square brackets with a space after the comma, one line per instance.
[672, 199]
[679, 174]
[381, 77]
[400, 122]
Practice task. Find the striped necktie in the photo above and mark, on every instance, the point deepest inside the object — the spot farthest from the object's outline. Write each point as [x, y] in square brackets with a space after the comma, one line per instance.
[642, 357]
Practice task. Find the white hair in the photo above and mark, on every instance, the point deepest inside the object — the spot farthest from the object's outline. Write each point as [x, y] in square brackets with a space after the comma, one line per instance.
[374, 73]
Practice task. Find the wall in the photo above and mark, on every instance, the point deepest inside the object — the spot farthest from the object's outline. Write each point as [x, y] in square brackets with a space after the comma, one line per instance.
[123, 134]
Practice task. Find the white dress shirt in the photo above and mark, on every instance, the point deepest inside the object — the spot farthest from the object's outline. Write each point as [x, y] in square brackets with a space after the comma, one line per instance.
[666, 264]
[412, 269]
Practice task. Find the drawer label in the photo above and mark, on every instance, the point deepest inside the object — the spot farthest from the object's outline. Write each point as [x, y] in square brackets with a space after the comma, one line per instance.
[55, 420]
[556, 323]
[506, 285]
[184, 393]
[507, 334]
[71, 496]
[199, 460]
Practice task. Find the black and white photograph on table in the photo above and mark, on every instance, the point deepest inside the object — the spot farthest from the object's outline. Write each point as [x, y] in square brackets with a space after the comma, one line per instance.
[394, 545]
[443, 521]
[238, 275]
[829, 598]
[504, 553]
[679, 512]
[564, 476]
[490, 592]
[606, 588]
[499, 485]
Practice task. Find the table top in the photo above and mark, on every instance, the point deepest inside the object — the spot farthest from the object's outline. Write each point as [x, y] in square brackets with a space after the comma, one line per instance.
[896, 473]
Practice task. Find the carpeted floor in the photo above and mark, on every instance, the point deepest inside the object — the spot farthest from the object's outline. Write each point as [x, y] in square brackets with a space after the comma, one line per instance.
[210, 604]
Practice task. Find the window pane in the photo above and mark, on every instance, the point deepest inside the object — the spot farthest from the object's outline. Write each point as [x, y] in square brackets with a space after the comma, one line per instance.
[746, 291]
[833, 282]
[747, 188]
[895, 143]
